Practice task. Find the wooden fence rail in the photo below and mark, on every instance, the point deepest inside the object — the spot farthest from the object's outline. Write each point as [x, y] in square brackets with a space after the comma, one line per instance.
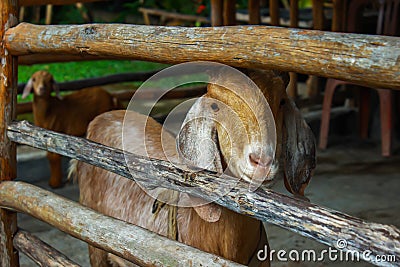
[322, 224]
[98, 81]
[364, 59]
[39, 251]
[129, 241]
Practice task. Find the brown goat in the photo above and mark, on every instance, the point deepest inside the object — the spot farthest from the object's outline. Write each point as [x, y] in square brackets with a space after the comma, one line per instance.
[209, 227]
[70, 115]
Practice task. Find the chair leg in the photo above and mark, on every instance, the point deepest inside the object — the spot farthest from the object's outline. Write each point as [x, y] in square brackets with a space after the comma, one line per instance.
[326, 112]
[365, 96]
[385, 99]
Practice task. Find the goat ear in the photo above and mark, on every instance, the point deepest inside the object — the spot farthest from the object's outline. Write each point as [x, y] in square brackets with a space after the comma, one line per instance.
[299, 150]
[56, 89]
[197, 144]
[27, 89]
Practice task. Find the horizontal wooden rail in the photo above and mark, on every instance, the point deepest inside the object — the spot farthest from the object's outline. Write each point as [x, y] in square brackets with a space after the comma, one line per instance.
[130, 242]
[40, 252]
[98, 81]
[126, 95]
[324, 225]
[173, 15]
[53, 2]
[364, 59]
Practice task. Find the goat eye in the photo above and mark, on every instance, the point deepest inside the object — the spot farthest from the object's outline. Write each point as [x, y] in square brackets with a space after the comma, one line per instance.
[283, 102]
[33, 79]
[214, 107]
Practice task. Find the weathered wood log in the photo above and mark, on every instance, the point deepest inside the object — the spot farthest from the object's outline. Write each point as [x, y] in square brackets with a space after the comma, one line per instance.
[23, 108]
[53, 2]
[322, 224]
[173, 94]
[98, 81]
[364, 59]
[8, 99]
[40, 252]
[130, 242]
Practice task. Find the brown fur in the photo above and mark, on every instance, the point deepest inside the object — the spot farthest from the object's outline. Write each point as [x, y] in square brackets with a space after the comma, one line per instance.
[233, 236]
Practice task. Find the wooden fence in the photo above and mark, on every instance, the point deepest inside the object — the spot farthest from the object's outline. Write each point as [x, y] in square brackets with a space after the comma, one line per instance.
[372, 60]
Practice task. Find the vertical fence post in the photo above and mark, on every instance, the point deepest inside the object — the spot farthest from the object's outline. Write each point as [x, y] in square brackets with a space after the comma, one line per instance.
[8, 89]
[254, 12]
[216, 13]
[229, 13]
[274, 12]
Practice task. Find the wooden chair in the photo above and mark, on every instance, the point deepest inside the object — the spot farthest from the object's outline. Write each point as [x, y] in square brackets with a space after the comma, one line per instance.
[386, 25]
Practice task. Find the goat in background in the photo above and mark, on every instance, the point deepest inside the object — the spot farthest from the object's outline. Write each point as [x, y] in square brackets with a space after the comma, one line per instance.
[70, 114]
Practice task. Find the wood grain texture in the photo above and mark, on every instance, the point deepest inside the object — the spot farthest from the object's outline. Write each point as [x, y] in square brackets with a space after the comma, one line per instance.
[324, 225]
[129, 241]
[364, 59]
[8, 99]
[40, 252]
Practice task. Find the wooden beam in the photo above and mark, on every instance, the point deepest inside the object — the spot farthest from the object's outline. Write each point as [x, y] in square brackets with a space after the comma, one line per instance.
[123, 239]
[322, 224]
[8, 99]
[318, 14]
[174, 15]
[294, 23]
[216, 12]
[53, 2]
[339, 14]
[98, 81]
[363, 59]
[274, 12]
[294, 13]
[254, 12]
[229, 13]
[40, 252]
[178, 93]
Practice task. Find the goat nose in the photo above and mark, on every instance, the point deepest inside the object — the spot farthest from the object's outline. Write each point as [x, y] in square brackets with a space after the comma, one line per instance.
[260, 160]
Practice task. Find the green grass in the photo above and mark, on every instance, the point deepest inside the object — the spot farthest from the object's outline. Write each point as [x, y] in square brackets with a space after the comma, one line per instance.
[86, 69]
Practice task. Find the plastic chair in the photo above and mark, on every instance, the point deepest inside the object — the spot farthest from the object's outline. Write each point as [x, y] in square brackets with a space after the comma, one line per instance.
[386, 25]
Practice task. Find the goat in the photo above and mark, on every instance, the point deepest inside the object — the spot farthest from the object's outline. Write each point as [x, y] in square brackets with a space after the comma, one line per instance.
[208, 227]
[69, 115]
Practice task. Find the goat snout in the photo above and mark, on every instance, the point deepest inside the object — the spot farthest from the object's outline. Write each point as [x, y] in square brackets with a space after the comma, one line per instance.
[258, 163]
[40, 90]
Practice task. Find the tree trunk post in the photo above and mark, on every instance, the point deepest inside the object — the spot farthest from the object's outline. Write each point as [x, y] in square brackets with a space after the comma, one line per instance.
[8, 99]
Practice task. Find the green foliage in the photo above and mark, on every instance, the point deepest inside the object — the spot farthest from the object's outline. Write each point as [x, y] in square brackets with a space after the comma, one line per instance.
[86, 69]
